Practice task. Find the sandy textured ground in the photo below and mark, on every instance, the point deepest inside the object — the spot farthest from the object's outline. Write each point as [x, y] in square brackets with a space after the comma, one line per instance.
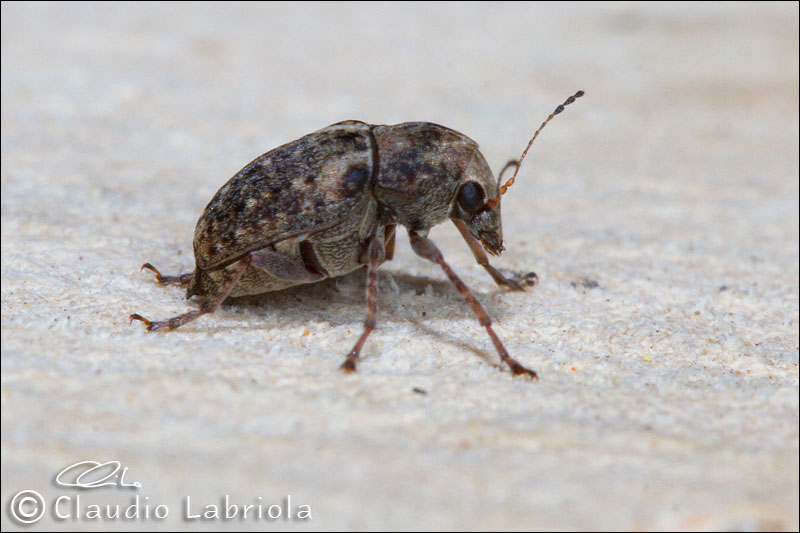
[668, 395]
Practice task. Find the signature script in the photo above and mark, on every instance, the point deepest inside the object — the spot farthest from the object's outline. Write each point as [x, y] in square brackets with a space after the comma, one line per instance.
[88, 472]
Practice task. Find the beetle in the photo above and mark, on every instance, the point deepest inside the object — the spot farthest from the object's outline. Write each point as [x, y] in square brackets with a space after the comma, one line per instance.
[328, 203]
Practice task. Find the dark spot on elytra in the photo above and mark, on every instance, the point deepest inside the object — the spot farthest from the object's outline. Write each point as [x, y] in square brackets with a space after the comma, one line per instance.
[293, 205]
[354, 140]
[238, 206]
[355, 179]
[276, 186]
[267, 209]
[309, 179]
[319, 204]
[431, 136]
[228, 238]
[344, 143]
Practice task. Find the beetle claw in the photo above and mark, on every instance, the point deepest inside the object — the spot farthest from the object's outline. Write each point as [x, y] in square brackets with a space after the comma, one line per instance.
[517, 281]
[348, 367]
[148, 266]
[519, 370]
[159, 277]
[147, 323]
[513, 285]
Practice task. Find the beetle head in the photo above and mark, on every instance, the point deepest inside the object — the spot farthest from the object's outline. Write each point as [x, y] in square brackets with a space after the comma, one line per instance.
[428, 172]
[470, 204]
[485, 222]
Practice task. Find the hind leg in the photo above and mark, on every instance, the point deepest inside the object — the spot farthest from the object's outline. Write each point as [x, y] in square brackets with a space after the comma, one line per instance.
[181, 280]
[210, 304]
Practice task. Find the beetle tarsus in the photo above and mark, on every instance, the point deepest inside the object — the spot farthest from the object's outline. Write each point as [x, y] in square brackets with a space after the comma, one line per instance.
[181, 280]
[172, 323]
[517, 281]
[530, 279]
[147, 323]
[508, 283]
[519, 370]
[349, 366]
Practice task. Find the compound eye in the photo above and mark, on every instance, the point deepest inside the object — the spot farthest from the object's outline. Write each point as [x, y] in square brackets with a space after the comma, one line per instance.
[470, 197]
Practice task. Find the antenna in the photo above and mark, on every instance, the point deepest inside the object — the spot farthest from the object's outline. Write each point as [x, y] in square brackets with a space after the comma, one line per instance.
[503, 188]
[513, 163]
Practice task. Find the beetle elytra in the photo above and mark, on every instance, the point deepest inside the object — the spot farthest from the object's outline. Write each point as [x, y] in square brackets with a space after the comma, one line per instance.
[328, 204]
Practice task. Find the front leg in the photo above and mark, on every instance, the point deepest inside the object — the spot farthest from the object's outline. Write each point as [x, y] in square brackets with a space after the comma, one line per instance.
[375, 255]
[483, 260]
[425, 248]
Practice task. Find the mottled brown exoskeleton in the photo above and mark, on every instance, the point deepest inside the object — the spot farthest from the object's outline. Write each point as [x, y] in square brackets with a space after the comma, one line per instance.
[328, 204]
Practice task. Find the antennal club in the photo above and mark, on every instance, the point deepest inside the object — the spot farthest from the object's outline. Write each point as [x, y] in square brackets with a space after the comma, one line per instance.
[503, 188]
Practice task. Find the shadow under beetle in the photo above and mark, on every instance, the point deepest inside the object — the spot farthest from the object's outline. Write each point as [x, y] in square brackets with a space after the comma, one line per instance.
[328, 204]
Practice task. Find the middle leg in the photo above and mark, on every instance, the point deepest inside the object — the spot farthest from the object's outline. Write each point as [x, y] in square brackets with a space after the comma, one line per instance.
[375, 255]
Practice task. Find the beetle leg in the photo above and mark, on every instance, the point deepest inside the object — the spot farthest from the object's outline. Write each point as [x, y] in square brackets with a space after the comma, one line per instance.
[208, 305]
[425, 248]
[181, 280]
[480, 256]
[388, 241]
[375, 254]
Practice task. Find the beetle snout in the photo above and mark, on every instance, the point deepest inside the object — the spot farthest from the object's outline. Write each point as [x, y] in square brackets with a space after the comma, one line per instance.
[486, 226]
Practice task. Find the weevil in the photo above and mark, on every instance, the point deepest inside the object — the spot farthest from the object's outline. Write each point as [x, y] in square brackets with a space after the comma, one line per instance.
[328, 204]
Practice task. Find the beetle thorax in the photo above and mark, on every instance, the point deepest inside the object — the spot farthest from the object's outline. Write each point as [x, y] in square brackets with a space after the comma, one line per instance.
[421, 170]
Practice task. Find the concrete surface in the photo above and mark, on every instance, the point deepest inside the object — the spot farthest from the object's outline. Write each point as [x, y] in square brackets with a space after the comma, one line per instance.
[668, 396]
